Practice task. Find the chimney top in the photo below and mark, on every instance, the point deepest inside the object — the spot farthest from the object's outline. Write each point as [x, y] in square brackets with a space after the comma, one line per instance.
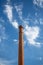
[20, 26]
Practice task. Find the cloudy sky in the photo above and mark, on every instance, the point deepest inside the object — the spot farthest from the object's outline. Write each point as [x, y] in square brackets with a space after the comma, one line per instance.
[29, 14]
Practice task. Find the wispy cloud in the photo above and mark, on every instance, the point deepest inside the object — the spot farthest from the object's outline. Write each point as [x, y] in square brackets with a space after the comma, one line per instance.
[8, 11]
[38, 21]
[2, 33]
[31, 34]
[19, 8]
[15, 40]
[39, 3]
[6, 62]
[41, 21]
[15, 24]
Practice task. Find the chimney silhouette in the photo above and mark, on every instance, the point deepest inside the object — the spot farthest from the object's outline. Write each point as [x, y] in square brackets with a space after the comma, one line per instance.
[21, 47]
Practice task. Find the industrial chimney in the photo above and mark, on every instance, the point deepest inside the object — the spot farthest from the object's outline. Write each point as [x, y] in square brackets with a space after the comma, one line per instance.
[21, 47]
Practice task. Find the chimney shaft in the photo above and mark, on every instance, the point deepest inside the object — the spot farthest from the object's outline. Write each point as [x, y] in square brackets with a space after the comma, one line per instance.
[21, 47]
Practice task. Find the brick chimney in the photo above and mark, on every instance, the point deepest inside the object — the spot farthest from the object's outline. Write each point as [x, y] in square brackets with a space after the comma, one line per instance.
[21, 47]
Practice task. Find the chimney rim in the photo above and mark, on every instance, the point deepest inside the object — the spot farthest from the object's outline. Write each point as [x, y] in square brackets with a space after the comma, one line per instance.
[20, 26]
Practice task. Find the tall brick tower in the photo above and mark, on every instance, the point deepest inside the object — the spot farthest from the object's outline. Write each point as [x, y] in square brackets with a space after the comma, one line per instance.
[21, 47]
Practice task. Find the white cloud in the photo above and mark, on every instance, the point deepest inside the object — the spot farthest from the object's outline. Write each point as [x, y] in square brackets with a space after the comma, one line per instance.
[3, 35]
[19, 10]
[6, 62]
[15, 24]
[41, 21]
[38, 3]
[15, 40]
[31, 34]
[8, 11]
[38, 21]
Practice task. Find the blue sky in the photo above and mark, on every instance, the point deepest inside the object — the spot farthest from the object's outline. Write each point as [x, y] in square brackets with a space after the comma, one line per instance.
[29, 14]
